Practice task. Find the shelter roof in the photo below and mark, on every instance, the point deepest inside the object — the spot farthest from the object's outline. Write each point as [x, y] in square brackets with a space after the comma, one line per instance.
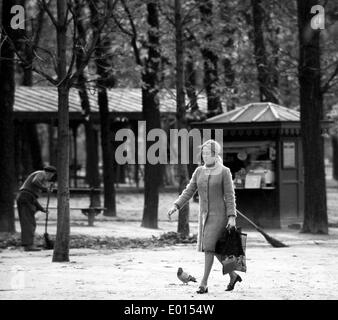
[257, 112]
[38, 103]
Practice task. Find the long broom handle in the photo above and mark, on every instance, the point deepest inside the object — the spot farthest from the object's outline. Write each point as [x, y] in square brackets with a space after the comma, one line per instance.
[247, 219]
[240, 213]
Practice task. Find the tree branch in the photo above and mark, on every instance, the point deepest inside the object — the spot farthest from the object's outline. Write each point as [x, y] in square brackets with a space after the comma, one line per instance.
[96, 37]
[171, 21]
[328, 82]
[45, 75]
[48, 52]
[188, 15]
[134, 36]
[45, 6]
[37, 33]
[123, 29]
[75, 21]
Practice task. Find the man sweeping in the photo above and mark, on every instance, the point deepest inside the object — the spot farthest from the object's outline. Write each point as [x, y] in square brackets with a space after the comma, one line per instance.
[28, 204]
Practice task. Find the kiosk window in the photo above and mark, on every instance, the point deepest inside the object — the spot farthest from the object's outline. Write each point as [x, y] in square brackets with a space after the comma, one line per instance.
[252, 163]
[289, 154]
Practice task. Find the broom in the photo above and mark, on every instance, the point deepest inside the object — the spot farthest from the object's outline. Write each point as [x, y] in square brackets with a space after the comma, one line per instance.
[49, 244]
[274, 242]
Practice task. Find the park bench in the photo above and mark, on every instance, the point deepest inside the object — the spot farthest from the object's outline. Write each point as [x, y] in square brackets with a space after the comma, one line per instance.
[92, 211]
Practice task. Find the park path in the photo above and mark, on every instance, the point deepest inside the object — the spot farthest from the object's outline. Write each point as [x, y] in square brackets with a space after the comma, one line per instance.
[307, 269]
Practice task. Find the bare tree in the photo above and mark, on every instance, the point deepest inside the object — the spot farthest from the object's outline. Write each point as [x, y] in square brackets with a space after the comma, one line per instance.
[92, 157]
[183, 218]
[151, 112]
[9, 38]
[61, 250]
[65, 78]
[102, 66]
[150, 64]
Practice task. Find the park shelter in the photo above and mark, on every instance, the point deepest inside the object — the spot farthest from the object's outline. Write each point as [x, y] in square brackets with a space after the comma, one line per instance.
[262, 147]
[39, 105]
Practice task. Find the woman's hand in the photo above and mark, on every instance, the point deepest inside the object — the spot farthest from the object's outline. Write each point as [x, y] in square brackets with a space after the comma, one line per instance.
[231, 222]
[171, 211]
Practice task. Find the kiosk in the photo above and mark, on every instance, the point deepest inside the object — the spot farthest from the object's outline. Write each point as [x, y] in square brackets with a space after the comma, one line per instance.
[262, 147]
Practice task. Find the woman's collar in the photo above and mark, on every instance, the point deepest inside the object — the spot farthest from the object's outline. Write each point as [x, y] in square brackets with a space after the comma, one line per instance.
[216, 164]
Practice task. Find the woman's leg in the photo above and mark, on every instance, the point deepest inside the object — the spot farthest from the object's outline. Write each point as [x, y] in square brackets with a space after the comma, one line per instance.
[209, 260]
[232, 275]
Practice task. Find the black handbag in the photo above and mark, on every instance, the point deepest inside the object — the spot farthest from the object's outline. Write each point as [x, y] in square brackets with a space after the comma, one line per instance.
[231, 247]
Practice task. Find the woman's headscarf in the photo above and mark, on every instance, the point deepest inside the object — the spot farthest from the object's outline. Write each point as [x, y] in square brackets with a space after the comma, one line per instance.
[214, 148]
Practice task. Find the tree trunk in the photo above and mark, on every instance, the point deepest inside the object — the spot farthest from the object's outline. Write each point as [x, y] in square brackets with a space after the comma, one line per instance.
[151, 113]
[183, 216]
[7, 89]
[92, 157]
[61, 249]
[334, 141]
[152, 172]
[33, 144]
[210, 61]
[17, 153]
[27, 79]
[26, 154]
[32, 139]
[274, 47]
[229, 77]
[105, 119]
[92, 161]
[190, 83]
[52, 148]
[108, 170]
[311, 106]
[229, 74]
[265, 76]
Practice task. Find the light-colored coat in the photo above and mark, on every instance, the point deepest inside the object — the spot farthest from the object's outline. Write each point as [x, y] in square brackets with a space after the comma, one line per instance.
[221, 197]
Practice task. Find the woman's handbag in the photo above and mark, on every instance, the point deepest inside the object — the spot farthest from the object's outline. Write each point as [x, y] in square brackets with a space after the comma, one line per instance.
[231, 246]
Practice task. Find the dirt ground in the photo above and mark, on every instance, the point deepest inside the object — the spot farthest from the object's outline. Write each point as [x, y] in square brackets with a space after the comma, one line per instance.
[307, 269]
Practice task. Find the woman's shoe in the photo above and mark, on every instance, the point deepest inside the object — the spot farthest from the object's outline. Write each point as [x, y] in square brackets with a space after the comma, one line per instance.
[202, 290]
[231, 286]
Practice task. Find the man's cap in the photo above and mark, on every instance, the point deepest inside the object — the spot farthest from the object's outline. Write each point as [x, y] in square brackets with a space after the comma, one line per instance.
[50, 169]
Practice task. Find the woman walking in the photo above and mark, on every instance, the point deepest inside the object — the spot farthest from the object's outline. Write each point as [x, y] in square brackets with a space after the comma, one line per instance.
[217, 207]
